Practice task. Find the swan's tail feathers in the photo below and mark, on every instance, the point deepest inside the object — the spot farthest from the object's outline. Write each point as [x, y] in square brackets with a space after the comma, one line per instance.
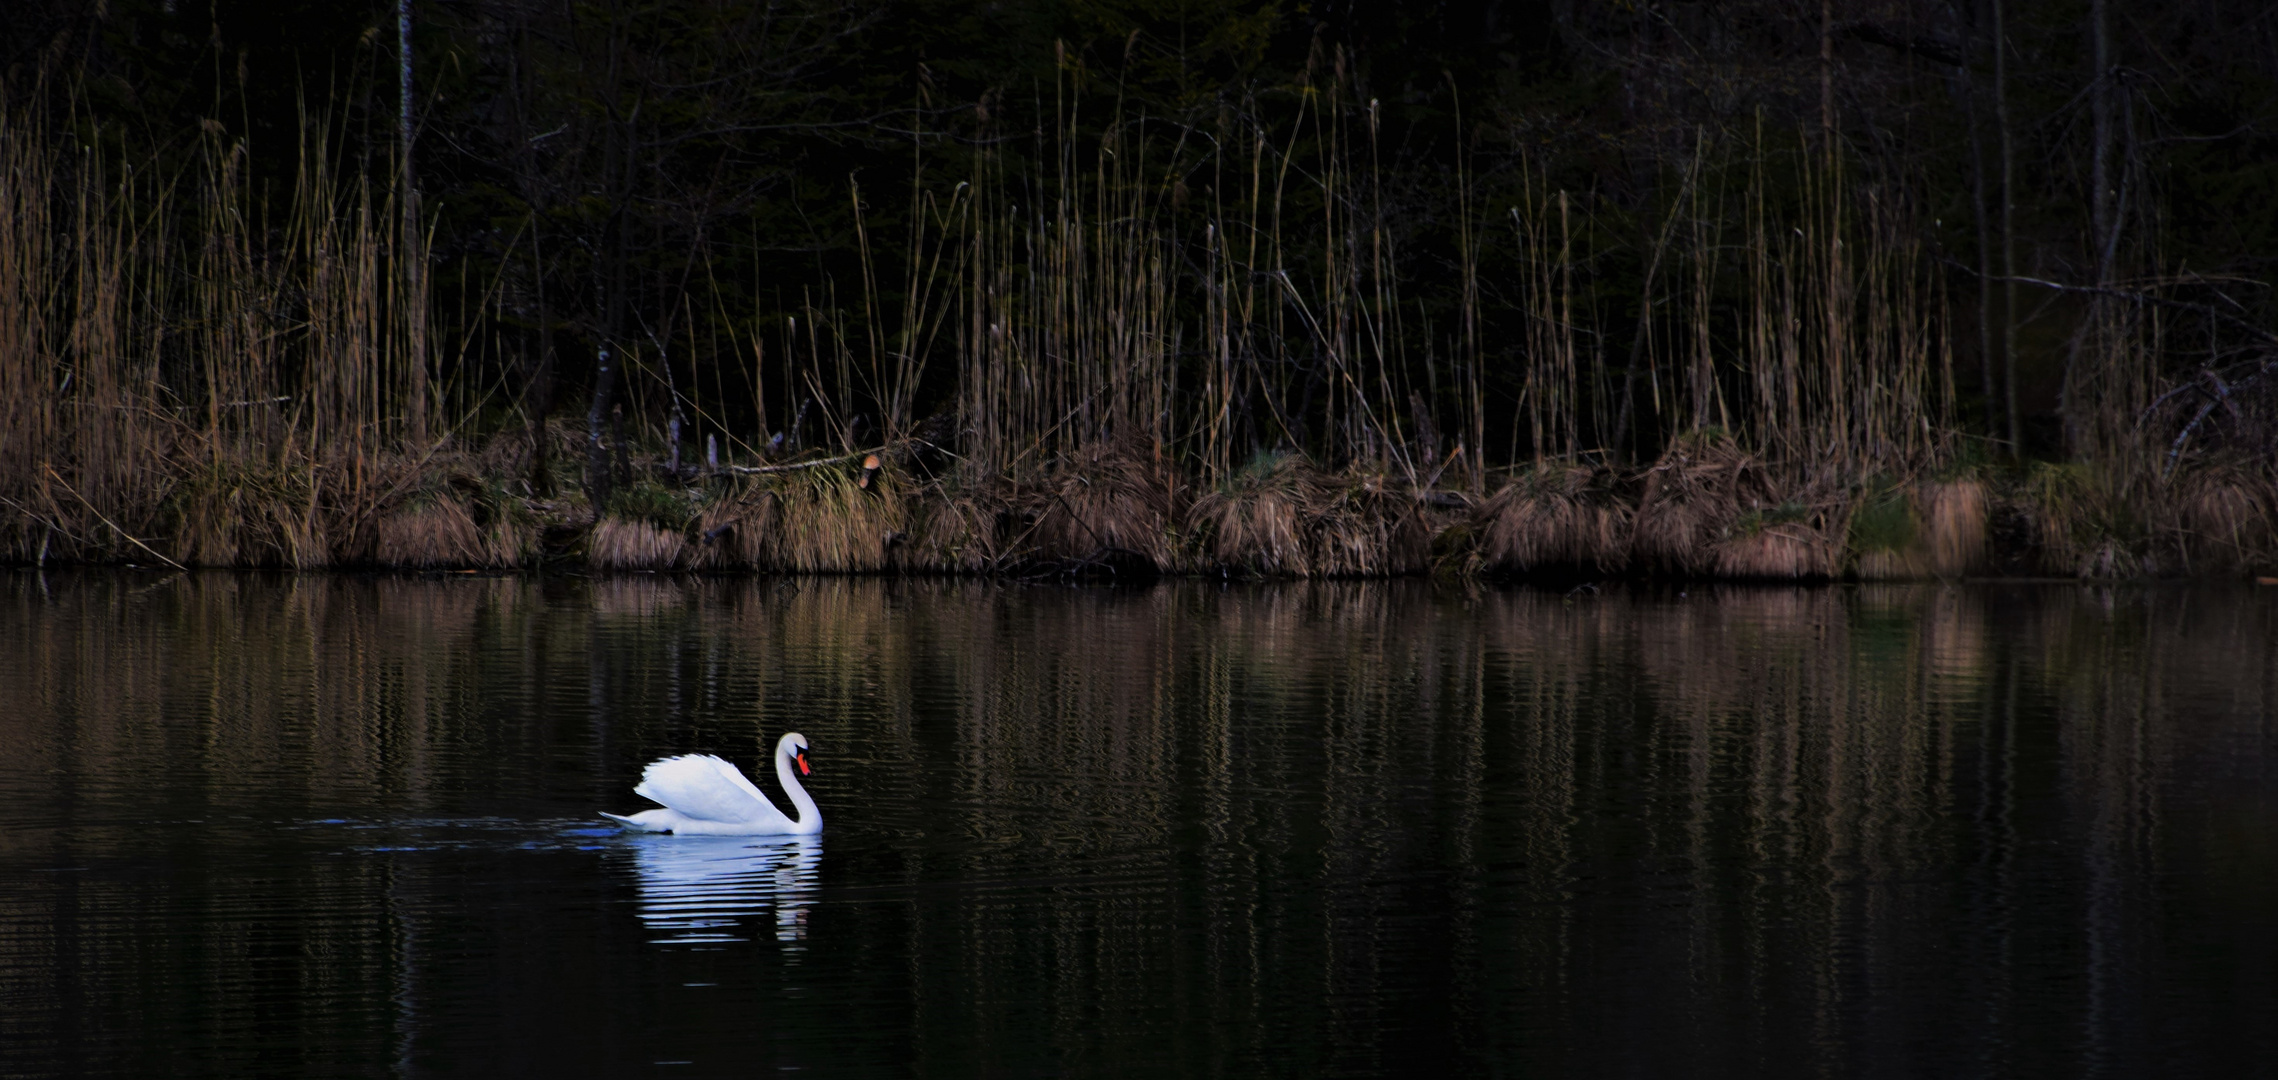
[645, 821]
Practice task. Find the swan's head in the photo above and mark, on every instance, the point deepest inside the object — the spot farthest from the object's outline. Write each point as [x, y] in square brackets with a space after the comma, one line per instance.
[795, 745]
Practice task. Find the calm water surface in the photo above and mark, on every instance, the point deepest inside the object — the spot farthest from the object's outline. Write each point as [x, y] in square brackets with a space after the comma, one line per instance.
[338, 826]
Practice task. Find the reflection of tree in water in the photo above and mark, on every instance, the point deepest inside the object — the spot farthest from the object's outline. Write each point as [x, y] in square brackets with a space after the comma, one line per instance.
[1735, 816]
[704, 889]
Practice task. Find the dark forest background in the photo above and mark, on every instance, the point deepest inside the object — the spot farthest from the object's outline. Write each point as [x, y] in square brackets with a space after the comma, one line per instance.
[1903, 237]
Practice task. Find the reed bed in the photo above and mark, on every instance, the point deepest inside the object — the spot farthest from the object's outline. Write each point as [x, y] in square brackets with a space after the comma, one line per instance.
[1133, 373]
[191, 374]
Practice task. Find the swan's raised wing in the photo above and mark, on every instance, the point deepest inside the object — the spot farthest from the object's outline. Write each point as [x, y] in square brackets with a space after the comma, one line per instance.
[703, 786]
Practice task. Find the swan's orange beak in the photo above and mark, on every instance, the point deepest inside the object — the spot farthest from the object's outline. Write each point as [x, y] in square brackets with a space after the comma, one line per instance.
[803, 769]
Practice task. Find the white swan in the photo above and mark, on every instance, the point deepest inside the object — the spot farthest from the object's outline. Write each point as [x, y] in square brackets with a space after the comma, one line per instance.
[705, 796]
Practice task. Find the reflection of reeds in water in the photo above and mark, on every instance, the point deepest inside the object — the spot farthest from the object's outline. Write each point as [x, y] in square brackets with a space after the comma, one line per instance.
[1791, 777]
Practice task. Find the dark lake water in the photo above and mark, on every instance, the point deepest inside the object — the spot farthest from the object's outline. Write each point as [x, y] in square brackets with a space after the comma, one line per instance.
[340, 826]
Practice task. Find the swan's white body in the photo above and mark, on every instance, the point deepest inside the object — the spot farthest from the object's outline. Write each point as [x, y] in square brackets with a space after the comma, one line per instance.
[705, 796]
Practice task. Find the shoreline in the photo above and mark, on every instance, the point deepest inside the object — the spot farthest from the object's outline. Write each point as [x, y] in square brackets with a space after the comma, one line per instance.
[1707, 511]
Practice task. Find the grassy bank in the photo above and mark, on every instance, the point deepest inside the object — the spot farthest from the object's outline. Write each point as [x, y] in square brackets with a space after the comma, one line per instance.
[1098, 370]
[1708, 509]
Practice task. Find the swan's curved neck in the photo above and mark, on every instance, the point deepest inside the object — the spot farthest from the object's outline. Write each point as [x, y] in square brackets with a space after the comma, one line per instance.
[809, 814]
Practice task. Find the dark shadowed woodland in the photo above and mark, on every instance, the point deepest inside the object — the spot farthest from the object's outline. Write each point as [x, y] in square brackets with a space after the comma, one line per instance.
[1561, 290]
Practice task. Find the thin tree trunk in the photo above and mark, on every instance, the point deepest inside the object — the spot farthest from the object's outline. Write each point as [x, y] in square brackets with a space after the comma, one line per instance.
[2087, 354]
[1837, 355]
[2100, 165]
[538, 392]
[540, 395]
[1827, 74]
[414, 259]
[617, 173]
[1986, 383]
[2008, 225]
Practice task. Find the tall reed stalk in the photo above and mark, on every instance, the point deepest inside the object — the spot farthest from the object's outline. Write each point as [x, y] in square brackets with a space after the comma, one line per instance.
[193, 372]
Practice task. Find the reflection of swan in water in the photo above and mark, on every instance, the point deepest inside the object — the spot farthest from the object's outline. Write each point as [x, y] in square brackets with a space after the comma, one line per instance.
[705, 796]
[698, 890]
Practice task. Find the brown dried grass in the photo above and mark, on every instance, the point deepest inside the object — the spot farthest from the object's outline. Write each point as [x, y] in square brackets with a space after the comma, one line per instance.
[2110, 560]
[457, 515]
[1553, 516]
[1282, 517]
[1257, 523]
[618, 544]
[1904, 564]
[727, 537]
[810, 521]
[1691, 497]
[1919, 532]
[1785, 551]
[231, 512]
[1106, 496]
[510, 539]
[2224, 516]
[1371, 526]
[2064, 509]
[1955, 514]
[432, 534]
[955, 533]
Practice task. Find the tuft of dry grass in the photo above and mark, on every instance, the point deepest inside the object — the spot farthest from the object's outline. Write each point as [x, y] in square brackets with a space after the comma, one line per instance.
[819, 520]
[1282, 517]
[1107, 496]
[1885, 534]
[235, 512]
[728, 537]
[1553, 515]
[458, 513]
[435, 533]
[1372, 525]
[2223, 513]
[1691, 497]
[2112, 560]
[1785, 551]
[1903, 564]
[2066, 513]
[955, 532]
[1955, 516]
[509, 535]
[1257, 523]
[619, 544]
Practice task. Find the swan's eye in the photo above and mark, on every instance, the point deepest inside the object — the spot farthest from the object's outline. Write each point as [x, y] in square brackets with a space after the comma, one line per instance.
[803, 769]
